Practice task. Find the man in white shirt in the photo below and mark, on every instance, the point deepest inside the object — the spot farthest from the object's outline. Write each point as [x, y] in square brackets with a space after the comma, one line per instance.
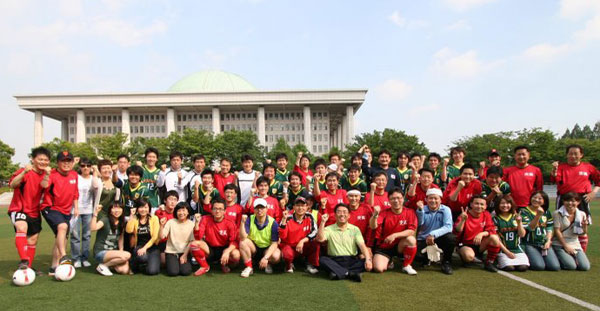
[173, 178]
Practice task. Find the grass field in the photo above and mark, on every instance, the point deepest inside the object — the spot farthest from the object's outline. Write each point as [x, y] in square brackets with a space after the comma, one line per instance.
[467, 289]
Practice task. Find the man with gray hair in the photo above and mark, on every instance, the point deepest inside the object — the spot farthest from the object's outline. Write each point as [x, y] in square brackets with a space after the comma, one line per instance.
[435, 227]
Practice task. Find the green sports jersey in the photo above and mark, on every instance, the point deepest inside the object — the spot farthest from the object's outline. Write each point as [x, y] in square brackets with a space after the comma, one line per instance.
[508, 230]
[149, 180]
[322, 185]
[453, 171]
[276, 189]
[292, 195]
[437, 179]
[282, 176]
[130, 195]
[359, 184]
[203, 193]
[486, 189]
[537, 236]
[403, 180]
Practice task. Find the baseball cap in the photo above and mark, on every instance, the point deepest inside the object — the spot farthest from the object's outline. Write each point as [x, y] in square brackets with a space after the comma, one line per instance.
[64, 155]
[260, 202]
[493, 152]
[435, 191]
[300, 199]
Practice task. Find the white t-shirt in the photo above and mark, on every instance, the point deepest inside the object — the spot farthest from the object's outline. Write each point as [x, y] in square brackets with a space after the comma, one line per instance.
[245, 181]
[122, 176]
[190, 180]
[86, 195]
[170, 180]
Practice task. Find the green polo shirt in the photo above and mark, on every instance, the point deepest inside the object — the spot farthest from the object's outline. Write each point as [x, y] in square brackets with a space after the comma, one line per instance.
[343, 242]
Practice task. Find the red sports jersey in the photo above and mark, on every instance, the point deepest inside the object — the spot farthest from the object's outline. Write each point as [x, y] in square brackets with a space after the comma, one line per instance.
[26, 197]
[216, 234]
[473, 226]
[523, 182]
[340, 196]
[233, 213]
[294, 231]
[360, 218]
[420, 195]
[304, 174]
[390, 222]
[61, 192]
[576, 178]
[221, 181]
[382, 200]
[163, 214]
[464, 196]
[273, 208]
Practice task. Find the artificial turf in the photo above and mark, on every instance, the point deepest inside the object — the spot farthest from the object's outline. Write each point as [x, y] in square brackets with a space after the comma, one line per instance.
[468, 289]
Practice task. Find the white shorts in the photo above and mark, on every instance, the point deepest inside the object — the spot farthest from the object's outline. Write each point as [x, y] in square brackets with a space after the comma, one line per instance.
[520, 259]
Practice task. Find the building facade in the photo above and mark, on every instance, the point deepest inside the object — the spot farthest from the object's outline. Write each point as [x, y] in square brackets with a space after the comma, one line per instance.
[214, 101]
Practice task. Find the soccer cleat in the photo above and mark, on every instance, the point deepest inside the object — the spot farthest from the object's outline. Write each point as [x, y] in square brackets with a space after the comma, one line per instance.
[289, 268]
[489, 266]
[103, 269]
[225, 269]
[333, 276]
[65, 261]
[311, 269]
[269, 269]
[24, 264]
[476, 260]
[77, 264]
[51, 271]
[391, 265]
[201, 271]
[409, 270]
[447, 268]
[86, 263]
[248, 271]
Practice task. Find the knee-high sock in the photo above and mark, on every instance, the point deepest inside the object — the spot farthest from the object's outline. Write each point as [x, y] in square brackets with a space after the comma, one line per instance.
[21, 244]
[409, 253]
[492, 253]
[200, 256]
[583, 240]
[30, 253]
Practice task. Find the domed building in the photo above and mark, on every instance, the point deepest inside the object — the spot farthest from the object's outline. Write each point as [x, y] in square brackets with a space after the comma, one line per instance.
[211, 100]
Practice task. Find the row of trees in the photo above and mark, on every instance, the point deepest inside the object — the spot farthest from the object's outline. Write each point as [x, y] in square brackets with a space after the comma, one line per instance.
[546, 147]
[584, 133]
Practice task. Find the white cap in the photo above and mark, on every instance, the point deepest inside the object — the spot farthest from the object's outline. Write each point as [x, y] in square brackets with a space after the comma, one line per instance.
[260, 201]
[436, 191]
[333, 167]
[354, 191]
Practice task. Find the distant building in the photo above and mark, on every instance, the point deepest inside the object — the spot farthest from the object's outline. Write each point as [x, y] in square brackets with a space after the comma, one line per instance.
[215, 101]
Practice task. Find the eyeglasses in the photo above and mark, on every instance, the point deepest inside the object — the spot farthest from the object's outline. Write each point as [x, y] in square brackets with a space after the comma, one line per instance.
[85, 165]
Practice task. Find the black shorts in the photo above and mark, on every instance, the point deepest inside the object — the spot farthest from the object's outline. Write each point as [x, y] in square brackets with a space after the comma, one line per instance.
[34, 225]
[215, 254]
[55, 218]
[387, 252]
[475, 248]
[260, 252]
[162, 246]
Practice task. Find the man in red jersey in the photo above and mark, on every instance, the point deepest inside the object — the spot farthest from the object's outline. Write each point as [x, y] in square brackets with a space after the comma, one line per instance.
[216, 239]
[273, 208]
[523, 178]
[494, 159]
[395, 234]
[378, 196]
[461, 189]
[576, 176]
[360, 215]
[416, 194]
[331, 197]
[224, 177]
[24, 209]
[297, 233]
[60, 198]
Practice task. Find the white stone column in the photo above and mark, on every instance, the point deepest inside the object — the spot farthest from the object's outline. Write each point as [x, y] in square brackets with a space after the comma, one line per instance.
[80, 127]
[38, 128]
[125, 128]
[343, 132]
[350, 124]
[261, 125]
[64, 129]
[333, 138]
[307, 129]
[170, 121]
[216, 120]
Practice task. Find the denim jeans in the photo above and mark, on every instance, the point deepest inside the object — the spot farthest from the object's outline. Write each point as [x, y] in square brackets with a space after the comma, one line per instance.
[80, 238]
[539, 262]
[569, 262]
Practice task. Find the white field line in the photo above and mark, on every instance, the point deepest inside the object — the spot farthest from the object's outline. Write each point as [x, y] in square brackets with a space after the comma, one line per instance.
[552, 291]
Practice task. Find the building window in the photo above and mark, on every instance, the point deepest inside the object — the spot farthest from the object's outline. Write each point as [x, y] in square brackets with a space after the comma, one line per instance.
[71, 119]
[314, 149]
[163, 129]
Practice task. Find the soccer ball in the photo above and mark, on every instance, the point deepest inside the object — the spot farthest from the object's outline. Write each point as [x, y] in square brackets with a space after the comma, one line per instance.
[23, 277]
[64, 273]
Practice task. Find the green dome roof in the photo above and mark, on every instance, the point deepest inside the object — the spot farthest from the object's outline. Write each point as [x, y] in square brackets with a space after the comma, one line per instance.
[211, 81]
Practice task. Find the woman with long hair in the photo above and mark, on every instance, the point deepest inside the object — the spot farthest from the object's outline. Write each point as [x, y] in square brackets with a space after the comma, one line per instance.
[144, 228]
[108, 248]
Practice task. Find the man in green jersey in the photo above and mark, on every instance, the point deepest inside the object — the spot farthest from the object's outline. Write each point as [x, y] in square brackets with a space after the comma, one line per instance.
[493, 186]
[458, 156]
[282, 174]
[150, 176]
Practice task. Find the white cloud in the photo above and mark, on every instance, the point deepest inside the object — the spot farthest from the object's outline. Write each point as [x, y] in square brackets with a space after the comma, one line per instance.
[397, 19]
[591, 30]
[577, 9]
[464, 5]
[393, 90]
[459, 25]
[402, 22]
[126, 33]
[70, 8]
[545, 52]
[447, 62]
[420, 110]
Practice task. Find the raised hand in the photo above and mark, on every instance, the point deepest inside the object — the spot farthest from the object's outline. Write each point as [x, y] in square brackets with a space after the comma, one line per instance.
[555, 165]
[376, 209]
[48, 170]
[138, 163]
[461, 184]
[163, 221]
[161, 207]
[420, 205]
[163, 167]
[115, 167]
[98, 208]
[482, 164]
[197, 218]
[463, 214]
[76, 160]
[446, 161]
[325, 217]
[373, 186]
[28, 167]
[323, 203]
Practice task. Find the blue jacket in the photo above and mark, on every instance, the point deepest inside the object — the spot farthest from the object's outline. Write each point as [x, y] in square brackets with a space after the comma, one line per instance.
[435, 223]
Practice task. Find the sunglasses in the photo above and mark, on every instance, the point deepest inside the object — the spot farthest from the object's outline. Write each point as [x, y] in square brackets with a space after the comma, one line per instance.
[85, 165]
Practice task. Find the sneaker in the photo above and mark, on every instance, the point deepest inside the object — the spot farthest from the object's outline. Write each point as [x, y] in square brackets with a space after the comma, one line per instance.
[201, 271]
[77, 264]
[225, 269]
[476, 260]
[447, 268]
[103, 269]
[65, 261]
[356, 277]
[391, 265]
[248, 271]
[489, 266]
[409, 270]
[311, 269]
[269, 269]
[51, 271]
[37, 272]
[86, 263]
[333, 276]
[24, 264]
[290, 268]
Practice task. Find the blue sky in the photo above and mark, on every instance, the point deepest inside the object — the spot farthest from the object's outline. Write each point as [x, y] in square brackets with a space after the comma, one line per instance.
[439, 69]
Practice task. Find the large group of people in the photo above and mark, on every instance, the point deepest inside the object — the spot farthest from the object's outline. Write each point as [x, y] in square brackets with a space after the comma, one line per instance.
[344, 220]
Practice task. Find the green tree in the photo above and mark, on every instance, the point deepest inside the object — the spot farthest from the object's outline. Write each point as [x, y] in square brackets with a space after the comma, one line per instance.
[477, 147]
[7, 167]
[233, 144]
[191, 142]
[596, 130]
[77, 149]
[109, 146]
[576, 132]
[587, 132]
[390, 139]
[138, 146]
